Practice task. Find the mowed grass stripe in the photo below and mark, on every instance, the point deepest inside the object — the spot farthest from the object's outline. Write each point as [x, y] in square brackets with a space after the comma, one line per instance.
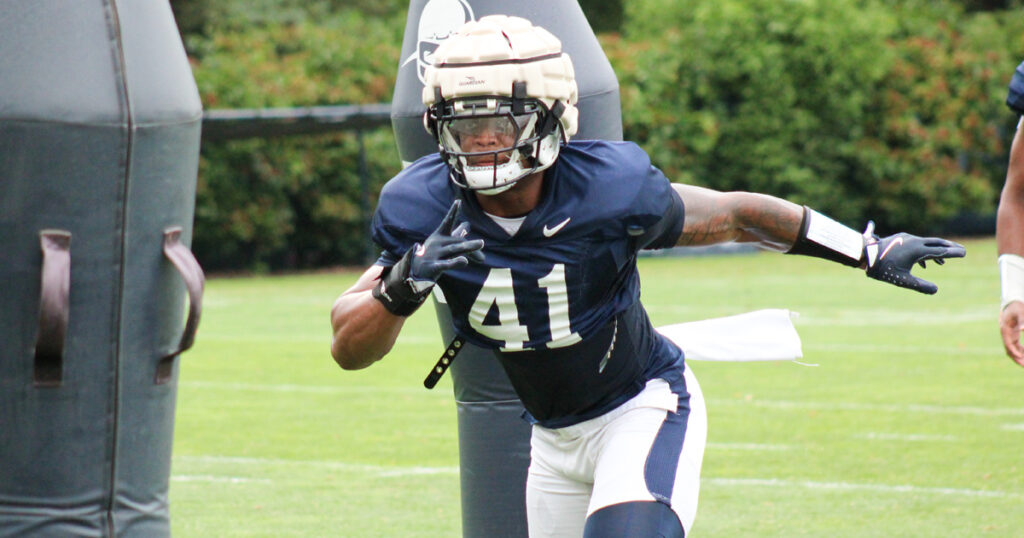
[861, 406]
[776, 404]
[901, 489]
[383, 471]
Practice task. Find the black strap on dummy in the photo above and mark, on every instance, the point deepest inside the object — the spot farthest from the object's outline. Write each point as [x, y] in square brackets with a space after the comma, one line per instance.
[444, 362]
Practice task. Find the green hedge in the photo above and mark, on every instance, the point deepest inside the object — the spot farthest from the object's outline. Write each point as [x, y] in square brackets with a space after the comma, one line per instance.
[292, 202]
[864, 109]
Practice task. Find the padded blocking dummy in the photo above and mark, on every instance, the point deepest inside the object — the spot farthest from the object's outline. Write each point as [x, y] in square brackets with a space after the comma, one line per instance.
[494, 440]
[99, 142]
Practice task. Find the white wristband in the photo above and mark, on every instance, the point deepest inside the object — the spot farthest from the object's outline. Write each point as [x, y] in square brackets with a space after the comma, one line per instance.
[835, 236]
[1011, 278]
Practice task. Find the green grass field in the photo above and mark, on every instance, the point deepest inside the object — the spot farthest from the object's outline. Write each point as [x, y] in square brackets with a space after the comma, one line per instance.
[911, 422]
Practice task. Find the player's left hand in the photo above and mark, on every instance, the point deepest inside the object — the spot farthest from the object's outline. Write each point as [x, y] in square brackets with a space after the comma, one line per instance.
[1011, 322]
[891, 258]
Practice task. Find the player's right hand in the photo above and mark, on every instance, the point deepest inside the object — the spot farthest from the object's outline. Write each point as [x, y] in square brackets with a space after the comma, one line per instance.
[1011, 322]
[404, 286]
[444, 249]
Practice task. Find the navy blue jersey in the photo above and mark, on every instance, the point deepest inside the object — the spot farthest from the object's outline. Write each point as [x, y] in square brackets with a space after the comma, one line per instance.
[558, 300]
[1015, 95]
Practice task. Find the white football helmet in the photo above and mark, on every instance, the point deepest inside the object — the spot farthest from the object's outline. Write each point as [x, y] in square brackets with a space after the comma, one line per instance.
[501, 98]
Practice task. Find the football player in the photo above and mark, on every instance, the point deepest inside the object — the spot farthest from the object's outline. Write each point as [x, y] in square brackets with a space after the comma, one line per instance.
[533, 241]
[1010, 231]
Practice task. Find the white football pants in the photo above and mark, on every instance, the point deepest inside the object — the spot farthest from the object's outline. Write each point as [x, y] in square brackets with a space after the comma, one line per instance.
[631, 453]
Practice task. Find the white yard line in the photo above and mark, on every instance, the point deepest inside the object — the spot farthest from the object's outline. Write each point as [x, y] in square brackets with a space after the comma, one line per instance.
[308, 389]
[828, 317]
[318, 339]
[900, 349]
[858, 406]
[885, 318]
[212, 478]
[749, 446]
[378, 470]
[398, 471]
[912, 437]
[847, 486]
[773, 404]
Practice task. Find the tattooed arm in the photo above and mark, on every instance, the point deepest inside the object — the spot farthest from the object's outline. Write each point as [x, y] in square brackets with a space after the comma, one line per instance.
[773, 223]
[717, 217]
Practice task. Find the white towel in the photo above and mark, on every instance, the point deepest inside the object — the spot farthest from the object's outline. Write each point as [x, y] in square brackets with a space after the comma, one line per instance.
[762, 335]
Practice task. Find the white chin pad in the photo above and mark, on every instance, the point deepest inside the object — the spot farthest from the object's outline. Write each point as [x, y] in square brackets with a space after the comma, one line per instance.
[492, 180]
[495, 190]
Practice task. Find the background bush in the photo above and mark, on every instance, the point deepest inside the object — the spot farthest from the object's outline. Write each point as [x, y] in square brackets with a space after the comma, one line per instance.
[291, 202]
[860, 109]
[890, 110]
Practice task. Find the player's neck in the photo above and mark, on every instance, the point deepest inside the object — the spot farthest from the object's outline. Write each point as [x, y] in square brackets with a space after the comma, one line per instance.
[517, 201]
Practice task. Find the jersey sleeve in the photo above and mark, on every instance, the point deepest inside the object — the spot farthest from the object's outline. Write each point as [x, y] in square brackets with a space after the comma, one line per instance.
[411, 205]
[387, 259]
[406, 214]
[1015, 96]
[655, 217]
[665, 231]
[392, 239]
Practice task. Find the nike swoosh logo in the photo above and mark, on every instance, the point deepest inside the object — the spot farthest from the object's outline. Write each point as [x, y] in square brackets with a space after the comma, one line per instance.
[895, 242]
[548, 232]
[420, 250]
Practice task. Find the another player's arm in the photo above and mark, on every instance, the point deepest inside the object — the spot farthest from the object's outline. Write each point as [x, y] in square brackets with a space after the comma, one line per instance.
[1010, 217]
[1010, 242]
[364, 330]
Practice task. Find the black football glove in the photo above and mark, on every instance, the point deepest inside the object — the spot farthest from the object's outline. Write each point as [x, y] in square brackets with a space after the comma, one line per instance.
[404, 287]
[891, 258]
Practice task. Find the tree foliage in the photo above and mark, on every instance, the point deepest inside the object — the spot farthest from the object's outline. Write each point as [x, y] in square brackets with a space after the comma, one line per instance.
[857, 109]
[292, 202]
[889, 110]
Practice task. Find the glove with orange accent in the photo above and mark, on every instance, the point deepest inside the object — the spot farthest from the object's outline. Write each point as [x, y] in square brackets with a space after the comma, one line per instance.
[891, 258]
[404, 286]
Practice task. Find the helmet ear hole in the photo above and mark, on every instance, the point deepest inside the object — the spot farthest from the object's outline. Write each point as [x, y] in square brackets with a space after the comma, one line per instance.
[431, 115]
[429, 125]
